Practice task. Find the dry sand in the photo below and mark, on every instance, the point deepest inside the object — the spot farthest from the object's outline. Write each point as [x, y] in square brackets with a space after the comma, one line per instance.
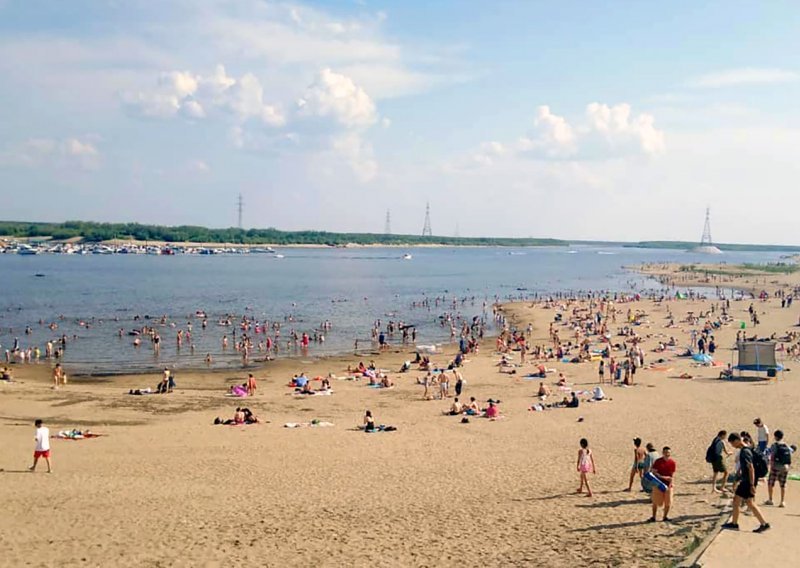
[165, 487]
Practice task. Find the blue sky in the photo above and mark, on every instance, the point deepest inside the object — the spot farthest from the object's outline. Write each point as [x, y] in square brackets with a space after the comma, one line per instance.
[612, 120]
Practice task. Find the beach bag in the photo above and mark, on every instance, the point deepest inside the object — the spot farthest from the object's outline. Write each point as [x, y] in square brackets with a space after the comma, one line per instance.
[760, 467]
[782, 454]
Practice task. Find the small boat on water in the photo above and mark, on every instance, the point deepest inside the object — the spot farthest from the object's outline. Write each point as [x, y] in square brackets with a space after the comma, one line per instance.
[407, 257]
[27, 250]
[279, 256]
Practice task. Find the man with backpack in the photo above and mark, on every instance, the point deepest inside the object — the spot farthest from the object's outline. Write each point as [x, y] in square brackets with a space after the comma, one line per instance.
[714, 456]
[751, 469]
[780, 462]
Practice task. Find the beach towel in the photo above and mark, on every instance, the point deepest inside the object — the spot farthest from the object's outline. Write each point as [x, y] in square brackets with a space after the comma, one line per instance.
[75, 435]
[312, 424]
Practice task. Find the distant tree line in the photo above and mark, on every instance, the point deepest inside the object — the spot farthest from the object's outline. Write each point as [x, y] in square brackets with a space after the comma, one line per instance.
[97, 232]
[683, 245]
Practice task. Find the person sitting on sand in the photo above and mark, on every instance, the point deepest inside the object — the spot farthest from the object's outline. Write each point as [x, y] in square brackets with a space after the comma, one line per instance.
[598, 394]
[472, 408]
[574, 402]
[456, 408]
[369, 422]
[562, 380]
[249, 417]
[326, 382]
[386, 382]
[307, 388]
[492, 411]
[544, 391]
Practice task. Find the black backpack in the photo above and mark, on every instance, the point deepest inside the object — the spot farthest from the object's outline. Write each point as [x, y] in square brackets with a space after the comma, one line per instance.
[783, 454]
[711, 452]
[760, 467]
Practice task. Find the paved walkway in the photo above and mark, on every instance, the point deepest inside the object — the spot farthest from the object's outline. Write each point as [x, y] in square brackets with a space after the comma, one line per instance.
[779, 546]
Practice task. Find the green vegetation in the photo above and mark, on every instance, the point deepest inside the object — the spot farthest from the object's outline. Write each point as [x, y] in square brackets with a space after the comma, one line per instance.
[683, 245]
[774, 268]
[96, 232]
[741, 269]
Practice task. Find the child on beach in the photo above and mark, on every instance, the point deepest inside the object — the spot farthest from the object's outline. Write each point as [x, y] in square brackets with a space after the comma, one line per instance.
[42, 446]
[585, 465]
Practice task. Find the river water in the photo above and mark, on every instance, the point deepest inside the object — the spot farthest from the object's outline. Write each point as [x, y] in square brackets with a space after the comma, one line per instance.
[351, 288]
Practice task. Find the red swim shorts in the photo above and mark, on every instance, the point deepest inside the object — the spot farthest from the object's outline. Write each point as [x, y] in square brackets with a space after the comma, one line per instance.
[44, 454]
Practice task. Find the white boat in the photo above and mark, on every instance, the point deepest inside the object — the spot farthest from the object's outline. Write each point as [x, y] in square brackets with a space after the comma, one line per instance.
[407, 257]
[27, 250]
[279, 256]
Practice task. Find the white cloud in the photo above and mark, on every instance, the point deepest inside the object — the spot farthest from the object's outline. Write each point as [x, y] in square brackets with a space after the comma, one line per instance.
[607, 132]
[182, 93]
[246, 99]
[358, 155]
[67, 153]
[744, 76]
[336, 96]
[619, 129]
[553, 136]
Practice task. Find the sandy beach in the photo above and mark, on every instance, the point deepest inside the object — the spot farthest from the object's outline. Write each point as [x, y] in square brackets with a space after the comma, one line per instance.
[163, 486]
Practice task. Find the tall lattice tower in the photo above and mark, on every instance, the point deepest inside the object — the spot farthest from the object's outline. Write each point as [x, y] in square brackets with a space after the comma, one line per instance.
[705, 240]
[426, 228]
[240, 209]
[706, 244]
[387, 228]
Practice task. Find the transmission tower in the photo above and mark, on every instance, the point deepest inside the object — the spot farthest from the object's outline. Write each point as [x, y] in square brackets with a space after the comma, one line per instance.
[387, 228]
[705, 240]
[426, 229]
[240, 208]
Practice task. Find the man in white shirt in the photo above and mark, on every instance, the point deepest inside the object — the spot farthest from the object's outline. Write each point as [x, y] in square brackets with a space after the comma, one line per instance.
[763, 435]
[42, 446]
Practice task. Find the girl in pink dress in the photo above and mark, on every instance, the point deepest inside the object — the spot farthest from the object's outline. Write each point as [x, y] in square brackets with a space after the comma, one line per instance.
[585, 465]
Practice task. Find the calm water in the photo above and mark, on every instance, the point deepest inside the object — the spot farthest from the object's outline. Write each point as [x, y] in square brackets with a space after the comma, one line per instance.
[350, 287]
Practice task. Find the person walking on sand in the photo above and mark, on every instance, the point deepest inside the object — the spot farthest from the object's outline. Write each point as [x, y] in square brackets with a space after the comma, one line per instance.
[746, 489]
[715, 455]
[638, 462]
[780, 462]
[601, 371]
[762, 434]
[58, 373]
[42, 450]
[664, 471]
[585, 465]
